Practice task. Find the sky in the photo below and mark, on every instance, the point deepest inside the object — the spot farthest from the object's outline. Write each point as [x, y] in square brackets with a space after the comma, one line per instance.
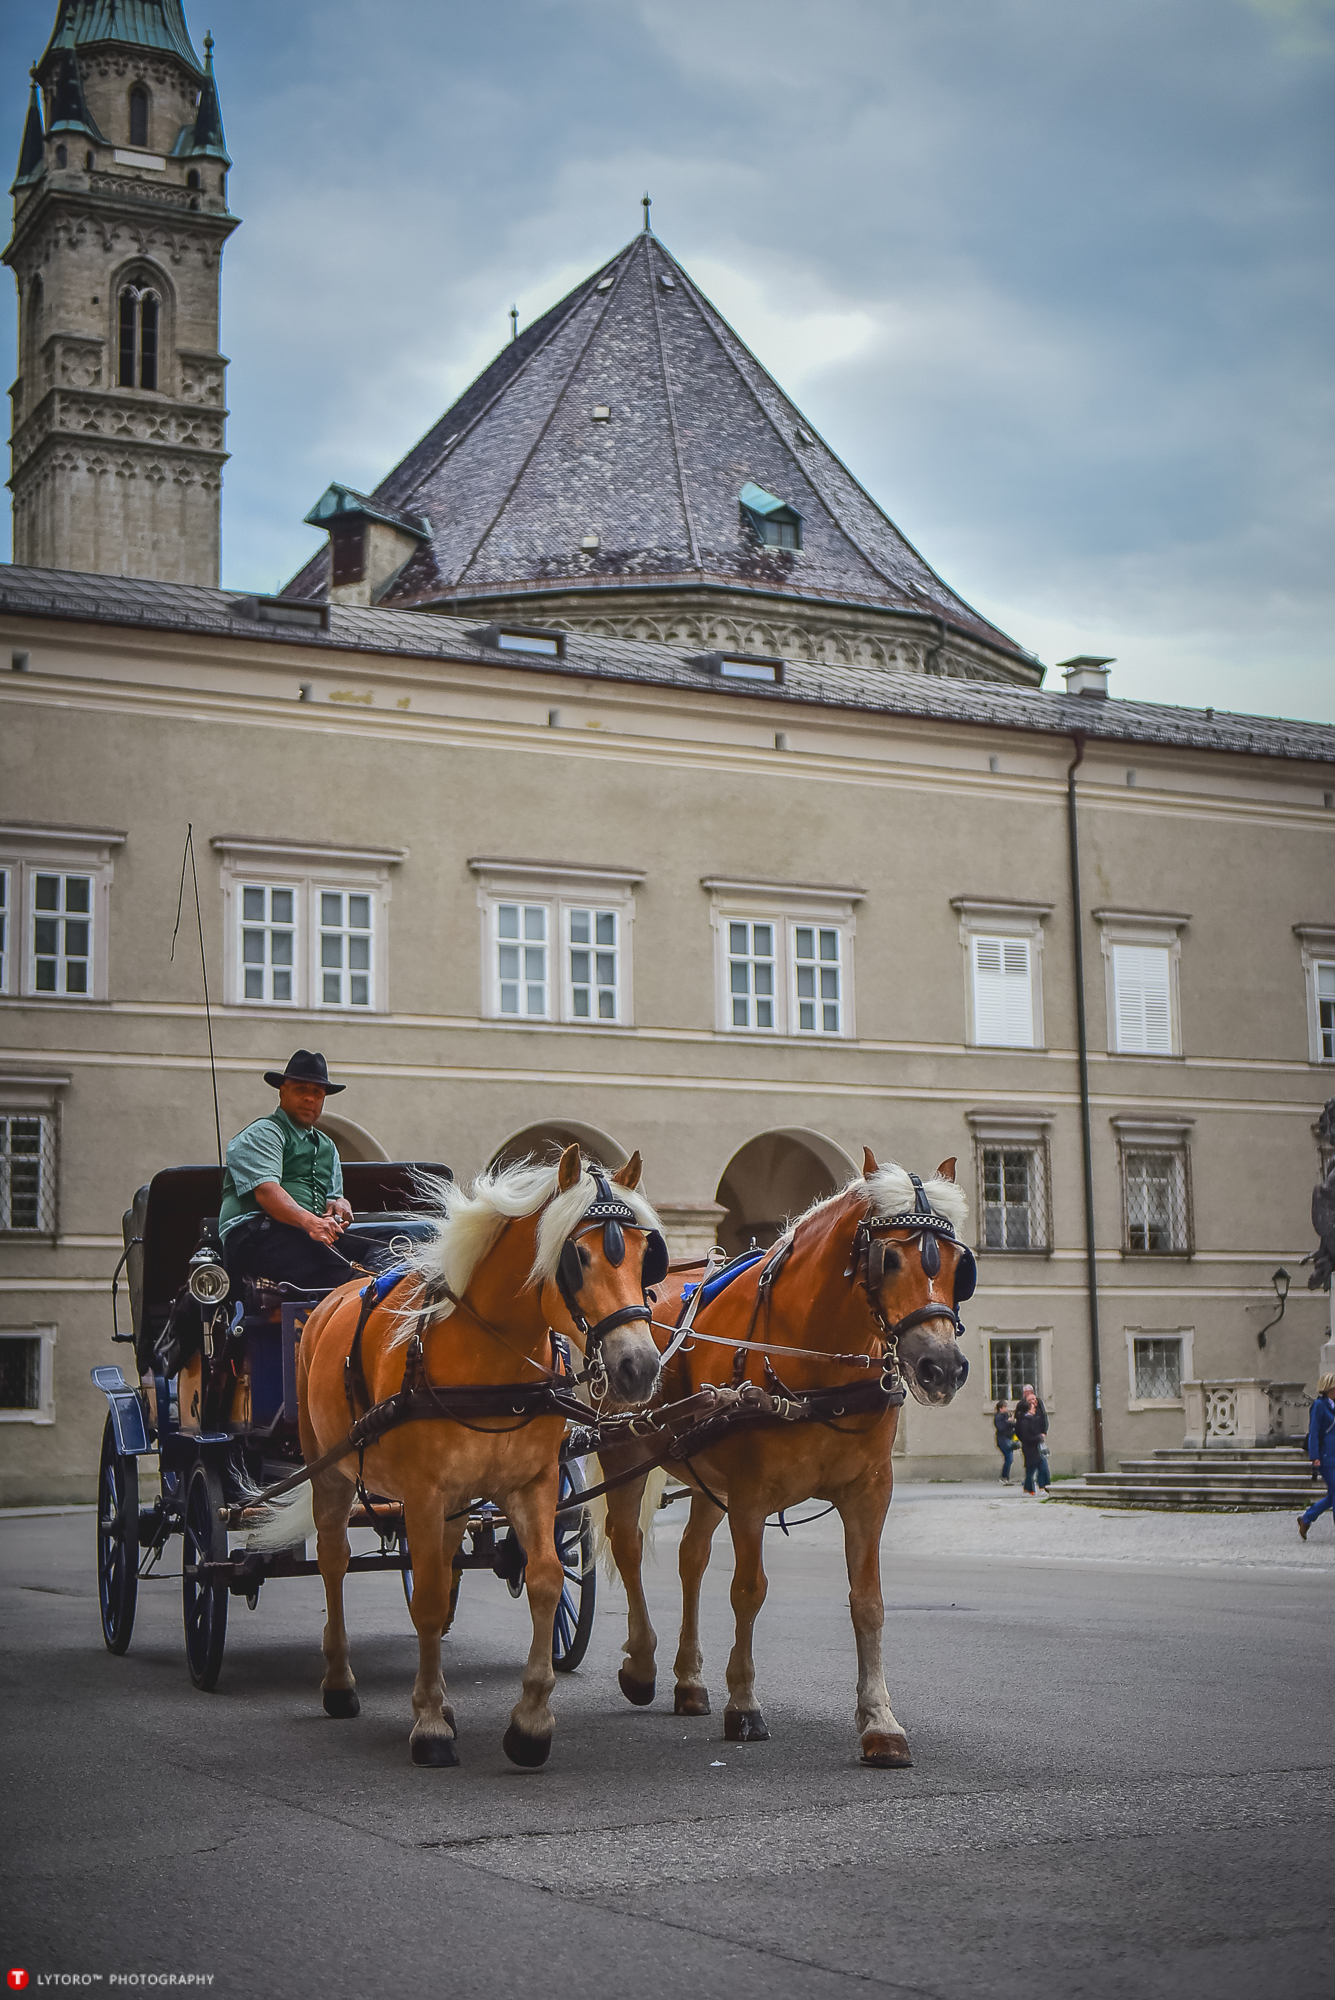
[1054, 277]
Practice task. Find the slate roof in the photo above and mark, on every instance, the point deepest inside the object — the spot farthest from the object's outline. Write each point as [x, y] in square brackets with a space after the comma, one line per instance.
[141, 24]
[518, 471]
[194, 609]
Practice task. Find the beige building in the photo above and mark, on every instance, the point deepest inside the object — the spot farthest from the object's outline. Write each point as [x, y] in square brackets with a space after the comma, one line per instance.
[120, 217]
[612, 892]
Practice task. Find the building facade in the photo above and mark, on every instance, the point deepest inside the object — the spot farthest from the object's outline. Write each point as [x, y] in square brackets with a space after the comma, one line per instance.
[613, 892]
[120, 217]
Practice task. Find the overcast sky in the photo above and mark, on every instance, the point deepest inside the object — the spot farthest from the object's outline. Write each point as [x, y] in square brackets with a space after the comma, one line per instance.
[1055, 279]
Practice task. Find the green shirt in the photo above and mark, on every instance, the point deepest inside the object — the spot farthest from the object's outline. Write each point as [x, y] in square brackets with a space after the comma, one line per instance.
[303, 1161]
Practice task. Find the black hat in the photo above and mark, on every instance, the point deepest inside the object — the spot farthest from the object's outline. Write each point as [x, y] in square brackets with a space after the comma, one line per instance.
[305, 1067]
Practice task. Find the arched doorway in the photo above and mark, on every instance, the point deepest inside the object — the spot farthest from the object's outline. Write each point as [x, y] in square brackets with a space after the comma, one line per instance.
[546, 1140]
[772, 1177]
[351, 1142]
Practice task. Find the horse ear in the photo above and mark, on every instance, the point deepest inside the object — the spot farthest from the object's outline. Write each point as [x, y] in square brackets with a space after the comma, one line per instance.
[569, 1170]
[629, 1175]
[946, 1170]
[869, 1166]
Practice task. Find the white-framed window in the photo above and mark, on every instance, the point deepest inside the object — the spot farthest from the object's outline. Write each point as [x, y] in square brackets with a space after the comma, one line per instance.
[1003, 950]
[55, 911]
[783, 958]
[1158, 1362]
[1142, 956]
[1156, 1186]
[305, 926]
[1012, 1197]
[1318, 949]
[1014, 1358]
[592, 952]
[556, 942]
[27, 1375]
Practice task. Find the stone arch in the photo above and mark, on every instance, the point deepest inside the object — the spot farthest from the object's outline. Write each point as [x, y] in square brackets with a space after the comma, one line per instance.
[352, 1142]
[550, 1136]
[774, 1176]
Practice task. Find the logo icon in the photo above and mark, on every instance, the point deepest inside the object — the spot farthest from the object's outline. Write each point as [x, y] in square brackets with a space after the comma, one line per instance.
[18, 1978]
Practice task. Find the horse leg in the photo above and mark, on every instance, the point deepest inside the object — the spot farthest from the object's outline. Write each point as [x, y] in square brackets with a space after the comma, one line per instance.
[532, 1516]
[742, 1719]
[433, 1731]
[883, 1741]
[638, 1677]
[331, 1503]
[690, 1696]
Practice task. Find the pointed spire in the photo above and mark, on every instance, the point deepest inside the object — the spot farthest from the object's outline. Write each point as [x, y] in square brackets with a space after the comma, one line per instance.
[32, 153]
[207, 136]
[69, 107]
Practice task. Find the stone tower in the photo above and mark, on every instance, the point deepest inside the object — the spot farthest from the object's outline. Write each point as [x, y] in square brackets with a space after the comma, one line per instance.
[120, 217]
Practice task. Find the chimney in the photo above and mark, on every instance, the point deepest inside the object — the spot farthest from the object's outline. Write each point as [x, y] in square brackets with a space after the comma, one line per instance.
[1086, 674]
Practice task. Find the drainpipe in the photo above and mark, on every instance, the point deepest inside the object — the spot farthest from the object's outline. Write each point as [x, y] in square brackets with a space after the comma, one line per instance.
[1091, 1267]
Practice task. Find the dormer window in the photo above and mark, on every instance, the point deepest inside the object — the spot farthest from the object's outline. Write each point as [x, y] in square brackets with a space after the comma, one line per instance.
[140, 320]
[738, 667]
[776, 524]
[548, 644]
[139, 116]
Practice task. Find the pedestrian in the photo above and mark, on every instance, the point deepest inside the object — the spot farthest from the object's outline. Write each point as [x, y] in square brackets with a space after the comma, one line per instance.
[1321, 1449]
[1005, 1429]
[1031, 1427]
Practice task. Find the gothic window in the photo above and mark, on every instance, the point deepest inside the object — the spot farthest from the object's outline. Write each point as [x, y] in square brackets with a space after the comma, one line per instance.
[140, 321]
[192, 178]
[34, 321]
[139, 116]
[62, 157]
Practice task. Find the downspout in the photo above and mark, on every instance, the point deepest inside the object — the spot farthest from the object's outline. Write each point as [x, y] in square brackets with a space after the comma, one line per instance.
[1086, 1141]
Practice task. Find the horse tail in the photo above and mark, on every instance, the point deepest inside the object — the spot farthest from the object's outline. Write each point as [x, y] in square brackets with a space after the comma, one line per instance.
[281, 1522]
[654, 1488]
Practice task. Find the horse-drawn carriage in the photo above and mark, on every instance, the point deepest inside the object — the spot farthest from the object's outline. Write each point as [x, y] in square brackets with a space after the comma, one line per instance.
[213, 1403]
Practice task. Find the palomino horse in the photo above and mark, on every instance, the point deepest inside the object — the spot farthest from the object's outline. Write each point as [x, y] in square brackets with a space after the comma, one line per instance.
[525, 1250]
[876, 1270]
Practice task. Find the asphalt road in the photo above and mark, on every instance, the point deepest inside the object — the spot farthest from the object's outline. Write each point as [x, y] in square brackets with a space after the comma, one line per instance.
[1124, 1784]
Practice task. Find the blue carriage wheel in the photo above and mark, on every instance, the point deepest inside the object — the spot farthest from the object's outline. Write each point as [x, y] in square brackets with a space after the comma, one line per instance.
[572, 1628]
[117, 1541]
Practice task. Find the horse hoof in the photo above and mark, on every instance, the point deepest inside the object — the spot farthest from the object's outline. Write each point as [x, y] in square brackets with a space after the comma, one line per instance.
[341, 1702]
[887, 1753]
[639, 1692]
[744, 1725]
[690, 1701]
[526, 1751]
[436, 1751]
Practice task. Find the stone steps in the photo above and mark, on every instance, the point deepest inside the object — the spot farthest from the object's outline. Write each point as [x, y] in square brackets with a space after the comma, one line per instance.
[1237, 1481]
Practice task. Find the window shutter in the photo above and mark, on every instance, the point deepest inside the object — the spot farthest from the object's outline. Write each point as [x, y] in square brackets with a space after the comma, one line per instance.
[1003, 995]
[1142, 999]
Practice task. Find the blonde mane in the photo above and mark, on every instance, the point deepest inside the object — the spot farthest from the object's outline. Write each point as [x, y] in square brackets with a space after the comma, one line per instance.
[889, 1191]
[469, 1219]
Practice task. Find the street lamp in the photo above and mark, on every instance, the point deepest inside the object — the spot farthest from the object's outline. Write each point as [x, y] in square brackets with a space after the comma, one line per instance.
[1280, 1280]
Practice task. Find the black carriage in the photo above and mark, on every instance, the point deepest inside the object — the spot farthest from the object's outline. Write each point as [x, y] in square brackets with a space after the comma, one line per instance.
[214, 1402]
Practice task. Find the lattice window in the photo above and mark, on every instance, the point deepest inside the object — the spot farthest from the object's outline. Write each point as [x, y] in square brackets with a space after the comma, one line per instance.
[27, 1172]
[20, 1372]
[346, 938]
[1156, 1199]
[818, 980]
[521, 959]
[751, 967]
[1012, 1364]
[62, 933]
[1158, 1370]
[1013, 1197]
[594, 953]
[6, 876]
[268, 942]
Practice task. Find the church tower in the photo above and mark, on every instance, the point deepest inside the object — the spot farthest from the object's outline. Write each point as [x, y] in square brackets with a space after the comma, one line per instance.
[120, 217]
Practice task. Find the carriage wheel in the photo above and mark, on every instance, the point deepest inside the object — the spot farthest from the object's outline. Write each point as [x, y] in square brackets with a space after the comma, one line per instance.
[204, 1601]
[117, 1541]
[573, 1625]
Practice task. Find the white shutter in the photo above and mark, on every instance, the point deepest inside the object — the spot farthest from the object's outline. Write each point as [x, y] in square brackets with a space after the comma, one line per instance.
[1003, 995]
[1142, 999]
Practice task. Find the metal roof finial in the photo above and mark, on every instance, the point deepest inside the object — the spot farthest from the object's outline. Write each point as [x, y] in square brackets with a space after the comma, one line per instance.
[514, 322]
[647, 204]
[208, 42]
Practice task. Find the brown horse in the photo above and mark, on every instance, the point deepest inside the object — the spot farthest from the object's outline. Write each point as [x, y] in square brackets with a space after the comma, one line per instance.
[875, 1269]
[525, 1250]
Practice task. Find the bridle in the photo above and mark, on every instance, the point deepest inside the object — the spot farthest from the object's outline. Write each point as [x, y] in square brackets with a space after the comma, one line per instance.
[613, 1215]
[926, 1228]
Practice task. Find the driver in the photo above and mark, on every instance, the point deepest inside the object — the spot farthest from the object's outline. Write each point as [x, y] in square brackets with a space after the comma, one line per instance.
[283, 1216]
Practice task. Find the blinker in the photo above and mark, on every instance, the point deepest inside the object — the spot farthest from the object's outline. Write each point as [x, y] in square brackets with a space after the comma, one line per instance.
[931, 1253]
[614, 1243]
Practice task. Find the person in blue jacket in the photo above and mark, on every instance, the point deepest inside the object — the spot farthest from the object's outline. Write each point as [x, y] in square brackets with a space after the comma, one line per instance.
[1321, 1450]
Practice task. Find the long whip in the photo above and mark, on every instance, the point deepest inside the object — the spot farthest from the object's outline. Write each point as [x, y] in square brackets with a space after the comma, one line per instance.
[188, 854]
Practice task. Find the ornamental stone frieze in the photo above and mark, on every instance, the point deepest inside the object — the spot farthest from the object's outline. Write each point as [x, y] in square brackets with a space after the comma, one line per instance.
[119, 417]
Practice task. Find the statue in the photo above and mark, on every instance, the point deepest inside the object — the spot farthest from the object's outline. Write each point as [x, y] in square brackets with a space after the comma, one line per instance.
[1323, 1209]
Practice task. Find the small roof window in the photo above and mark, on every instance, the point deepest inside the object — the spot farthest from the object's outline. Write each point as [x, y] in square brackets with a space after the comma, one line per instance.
[604, 284]
[667, 281]
[522, 639]
[775, 523]
[742, 667]
[601, 413]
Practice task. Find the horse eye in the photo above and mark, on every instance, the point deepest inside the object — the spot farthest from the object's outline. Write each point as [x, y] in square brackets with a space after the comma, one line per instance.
[585, 1256]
